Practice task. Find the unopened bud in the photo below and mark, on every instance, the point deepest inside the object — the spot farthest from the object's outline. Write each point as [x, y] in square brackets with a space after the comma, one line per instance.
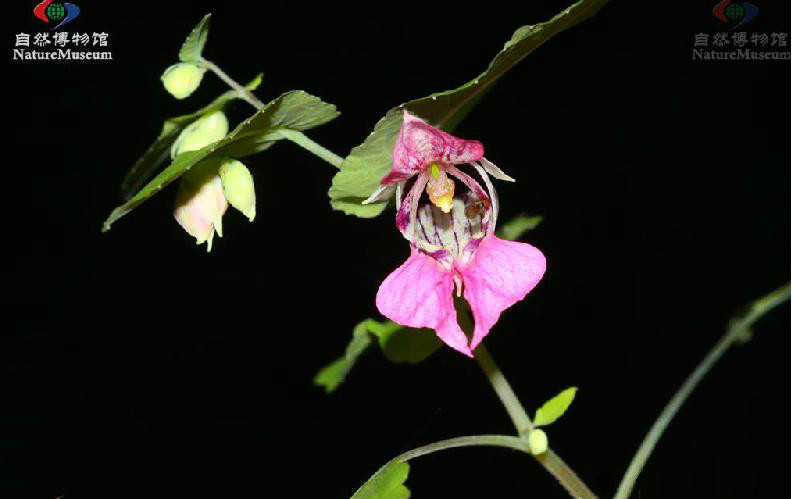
[181, 80]
[200, 203]
[238, 187]
[538, 441]
[202, 132]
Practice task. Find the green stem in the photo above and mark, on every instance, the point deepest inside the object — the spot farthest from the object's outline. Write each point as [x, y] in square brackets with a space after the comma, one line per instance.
[737, 331]
[520, 419]
[504, 391]
[309, 145]
[468, 441]
[295, 136]
[245, 94]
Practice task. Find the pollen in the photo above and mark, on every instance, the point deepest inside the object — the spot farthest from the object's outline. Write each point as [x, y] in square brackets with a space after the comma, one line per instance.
[440, 189]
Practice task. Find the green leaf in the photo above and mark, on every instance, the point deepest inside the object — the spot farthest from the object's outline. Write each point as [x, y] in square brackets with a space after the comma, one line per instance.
[294, 110]
[554, 408]
[331, 376]
[387, 483]
[398, 343]
[517, 226]
[367, 163]
[404, 344]
[194, 44]
[158, 152]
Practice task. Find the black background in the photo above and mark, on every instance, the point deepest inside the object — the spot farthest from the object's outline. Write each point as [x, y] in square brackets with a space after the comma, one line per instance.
[136, 365]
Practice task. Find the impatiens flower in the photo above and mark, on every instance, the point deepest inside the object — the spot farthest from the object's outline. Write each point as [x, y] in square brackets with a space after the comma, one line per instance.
[205, 193]
[451, 236]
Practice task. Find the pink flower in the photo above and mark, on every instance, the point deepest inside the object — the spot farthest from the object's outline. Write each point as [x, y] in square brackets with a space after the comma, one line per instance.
[451, 236]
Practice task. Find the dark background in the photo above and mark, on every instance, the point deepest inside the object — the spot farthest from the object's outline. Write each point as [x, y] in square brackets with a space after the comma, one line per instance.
[133, 364]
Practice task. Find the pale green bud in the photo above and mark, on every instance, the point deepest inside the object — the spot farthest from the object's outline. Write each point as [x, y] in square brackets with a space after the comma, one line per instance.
[538, 441]
[181, 80]
[238, 187]
[202, 132]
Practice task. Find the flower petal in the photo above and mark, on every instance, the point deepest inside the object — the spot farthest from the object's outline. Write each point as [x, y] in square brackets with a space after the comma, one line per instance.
[406, 213]
[493, 197]
[501, 274]
[495, 171]
[419, 294]
[419, 144]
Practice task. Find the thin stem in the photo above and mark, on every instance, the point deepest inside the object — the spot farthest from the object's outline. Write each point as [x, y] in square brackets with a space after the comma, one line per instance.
[468, 441]
[295, 136]
[549, 459]
[245, 94]
[309, 145]
[504, 391]
[737, 331]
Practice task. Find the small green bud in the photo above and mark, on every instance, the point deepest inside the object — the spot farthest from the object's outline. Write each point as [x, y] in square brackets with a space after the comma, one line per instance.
[538, 441]
[238, 187]
[202, 132]
[181, 80]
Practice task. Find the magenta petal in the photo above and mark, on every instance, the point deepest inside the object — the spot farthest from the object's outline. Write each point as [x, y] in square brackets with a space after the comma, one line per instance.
[406, 212]
[419, 294]
[500, 275]
[419, 145]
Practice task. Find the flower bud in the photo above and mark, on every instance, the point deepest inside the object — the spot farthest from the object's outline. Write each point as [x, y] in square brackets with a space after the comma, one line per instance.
[181, 80]
[238, 187]
[200, 203]
[202, 132]
[538, 441]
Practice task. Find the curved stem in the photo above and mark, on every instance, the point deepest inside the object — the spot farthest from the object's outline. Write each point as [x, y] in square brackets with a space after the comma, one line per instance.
[549, 460]
[504, 391]
[295, 136]
[467, 441]
[245, 94]
[737, 331]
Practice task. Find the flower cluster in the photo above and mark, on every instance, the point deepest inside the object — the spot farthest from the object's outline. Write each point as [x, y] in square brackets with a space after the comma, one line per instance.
[208, 188]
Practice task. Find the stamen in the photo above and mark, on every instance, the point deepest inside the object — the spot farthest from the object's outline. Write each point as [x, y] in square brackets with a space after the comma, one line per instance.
[440, 188]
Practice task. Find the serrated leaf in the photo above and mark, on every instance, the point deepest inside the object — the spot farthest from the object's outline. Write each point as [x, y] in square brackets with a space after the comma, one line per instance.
[404, 344]
[331, 376]
[554, 408]
[387, 483]
[294, 110]
[194, 44]
[159, 151]
[362, 169]
[517, 226]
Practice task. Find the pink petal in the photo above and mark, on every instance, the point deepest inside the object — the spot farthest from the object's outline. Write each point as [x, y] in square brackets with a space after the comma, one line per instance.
[406, 212]
[419, 144]
[501, 274]
[419, 294]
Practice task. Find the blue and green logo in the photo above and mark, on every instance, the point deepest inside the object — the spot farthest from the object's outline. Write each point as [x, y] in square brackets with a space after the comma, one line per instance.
[741, 13]
[62, 13]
